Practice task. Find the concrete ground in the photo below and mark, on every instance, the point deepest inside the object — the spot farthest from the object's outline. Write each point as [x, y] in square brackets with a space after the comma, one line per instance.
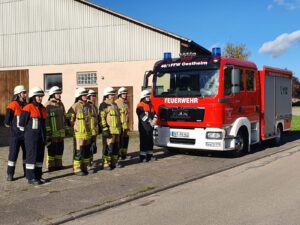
[65, 196]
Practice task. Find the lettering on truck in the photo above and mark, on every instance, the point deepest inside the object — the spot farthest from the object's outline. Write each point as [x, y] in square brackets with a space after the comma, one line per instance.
[181, 100]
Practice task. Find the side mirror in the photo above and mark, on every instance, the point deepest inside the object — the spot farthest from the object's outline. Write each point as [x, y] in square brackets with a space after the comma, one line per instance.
[146, 76]
[235, 78]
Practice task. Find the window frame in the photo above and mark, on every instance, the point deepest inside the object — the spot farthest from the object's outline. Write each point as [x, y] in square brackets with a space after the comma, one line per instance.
[46, 86]
[86, 83]
[247, 71]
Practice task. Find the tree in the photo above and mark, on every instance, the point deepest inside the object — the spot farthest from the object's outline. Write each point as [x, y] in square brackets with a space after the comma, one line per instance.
[236, 51]
[295, 87]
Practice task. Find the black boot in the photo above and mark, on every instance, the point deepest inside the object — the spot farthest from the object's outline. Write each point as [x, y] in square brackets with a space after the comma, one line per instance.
[150, 158]
[81, 173]
[10, 173]
[34, 182]
[10, 177]
[142, 158]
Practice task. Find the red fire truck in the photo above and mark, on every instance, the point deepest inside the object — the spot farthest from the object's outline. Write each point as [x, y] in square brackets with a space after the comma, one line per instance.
[217, 103]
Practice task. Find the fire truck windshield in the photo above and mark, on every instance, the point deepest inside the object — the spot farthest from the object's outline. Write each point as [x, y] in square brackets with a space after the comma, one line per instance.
[198, 83]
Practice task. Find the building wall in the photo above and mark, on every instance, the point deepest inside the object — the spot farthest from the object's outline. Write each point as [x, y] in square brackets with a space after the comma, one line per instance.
[47, 32]
[108, 74]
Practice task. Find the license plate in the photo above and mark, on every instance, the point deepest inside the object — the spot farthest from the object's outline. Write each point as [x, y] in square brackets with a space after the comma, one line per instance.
[179, 134]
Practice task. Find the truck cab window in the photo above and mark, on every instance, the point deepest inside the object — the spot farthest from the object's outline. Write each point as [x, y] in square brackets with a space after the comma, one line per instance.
[250, 80]
[241, 81]
[192, 83]
[227, 80]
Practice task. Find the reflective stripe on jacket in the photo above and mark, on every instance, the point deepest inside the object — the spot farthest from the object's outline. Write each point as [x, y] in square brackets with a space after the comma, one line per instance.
[110, 117]
[124, 115]
[55, 123]
[13, 112]
[81, 119]
[94, 119]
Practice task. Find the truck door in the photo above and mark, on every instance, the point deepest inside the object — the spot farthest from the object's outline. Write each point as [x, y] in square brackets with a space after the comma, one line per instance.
[246, 102]
[235, 107]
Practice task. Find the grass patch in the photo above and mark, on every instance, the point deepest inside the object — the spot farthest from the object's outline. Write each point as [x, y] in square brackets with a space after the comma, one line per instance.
[295, 123]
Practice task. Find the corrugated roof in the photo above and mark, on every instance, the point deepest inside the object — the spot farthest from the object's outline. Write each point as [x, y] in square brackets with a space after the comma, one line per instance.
[191, 44]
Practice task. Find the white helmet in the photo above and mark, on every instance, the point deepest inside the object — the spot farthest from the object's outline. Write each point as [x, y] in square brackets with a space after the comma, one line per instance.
[19, 89]
[122, 90]
[80, 92]
[109, 91]
[36, 91]
[145, 93]
[55, 90]
[92, 92]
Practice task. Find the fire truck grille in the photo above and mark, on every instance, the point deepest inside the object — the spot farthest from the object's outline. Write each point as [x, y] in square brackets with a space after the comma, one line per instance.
[183, 141]
[186, 114]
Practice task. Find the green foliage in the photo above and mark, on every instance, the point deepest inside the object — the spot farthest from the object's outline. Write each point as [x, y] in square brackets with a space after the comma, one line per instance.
[295, 123]
[238, 51]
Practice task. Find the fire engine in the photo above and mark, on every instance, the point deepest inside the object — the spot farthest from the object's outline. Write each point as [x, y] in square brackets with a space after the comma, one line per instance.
[216, 103]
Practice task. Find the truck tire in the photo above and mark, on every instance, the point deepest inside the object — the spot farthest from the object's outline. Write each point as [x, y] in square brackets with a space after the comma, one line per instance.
[241, 143]
[278, 136]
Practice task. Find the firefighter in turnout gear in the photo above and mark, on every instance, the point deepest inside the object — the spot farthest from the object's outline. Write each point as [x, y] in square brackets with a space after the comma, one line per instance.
[147, 119]
[55, 127]
[92, 95]
[124, 116]
[80, 119]
[111, 129]
[12, 118]
[33, 122]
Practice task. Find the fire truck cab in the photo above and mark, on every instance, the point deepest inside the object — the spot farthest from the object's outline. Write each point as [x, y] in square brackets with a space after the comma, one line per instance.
[217, 103]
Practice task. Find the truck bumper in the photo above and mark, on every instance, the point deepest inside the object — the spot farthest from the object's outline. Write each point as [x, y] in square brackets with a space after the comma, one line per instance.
[194, 138]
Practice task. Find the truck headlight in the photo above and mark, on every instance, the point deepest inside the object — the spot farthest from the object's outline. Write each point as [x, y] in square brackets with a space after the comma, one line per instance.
[214, 135]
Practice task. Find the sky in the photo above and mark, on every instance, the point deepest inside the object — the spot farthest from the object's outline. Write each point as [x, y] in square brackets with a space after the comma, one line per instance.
[270, 29]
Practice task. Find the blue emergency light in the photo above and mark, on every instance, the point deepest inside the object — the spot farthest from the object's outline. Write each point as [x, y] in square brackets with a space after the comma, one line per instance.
[216, 51]
[167, 56]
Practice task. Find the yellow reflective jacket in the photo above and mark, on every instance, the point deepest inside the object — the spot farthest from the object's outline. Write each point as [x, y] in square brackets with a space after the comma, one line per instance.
[80, 113]
[94, 119]
[110, 117]
[124, 113]
[55, 122]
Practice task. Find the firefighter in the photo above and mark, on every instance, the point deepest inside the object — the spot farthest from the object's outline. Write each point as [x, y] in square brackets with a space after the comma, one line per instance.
[92, 95]
[111, 129]
[55, 127]
[147, 119]
[80, 120]
[124, 116]
[12, 118]
[33, 122]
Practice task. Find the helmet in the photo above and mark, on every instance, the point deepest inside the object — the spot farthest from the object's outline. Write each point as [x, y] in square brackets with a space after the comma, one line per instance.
[92, 92]
[80, 92]
[122, 90]
[145, 93]
[55, 90]
[18, 89]
[36, 91]
[109, 91]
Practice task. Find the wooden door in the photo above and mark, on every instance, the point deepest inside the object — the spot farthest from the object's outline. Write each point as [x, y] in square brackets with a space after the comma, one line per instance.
[8, 80]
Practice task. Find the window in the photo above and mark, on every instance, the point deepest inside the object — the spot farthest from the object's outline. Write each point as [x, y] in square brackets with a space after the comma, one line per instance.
[86, 78]
[241, 80]
[52, 79]
[250, 80]
[227, 80]
[187, 83]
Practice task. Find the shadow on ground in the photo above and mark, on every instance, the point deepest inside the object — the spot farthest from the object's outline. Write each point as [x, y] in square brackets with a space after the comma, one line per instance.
[4, 136]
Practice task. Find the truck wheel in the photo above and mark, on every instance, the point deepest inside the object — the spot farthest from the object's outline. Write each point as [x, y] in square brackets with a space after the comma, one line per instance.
[241, 145]
[278, 137]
